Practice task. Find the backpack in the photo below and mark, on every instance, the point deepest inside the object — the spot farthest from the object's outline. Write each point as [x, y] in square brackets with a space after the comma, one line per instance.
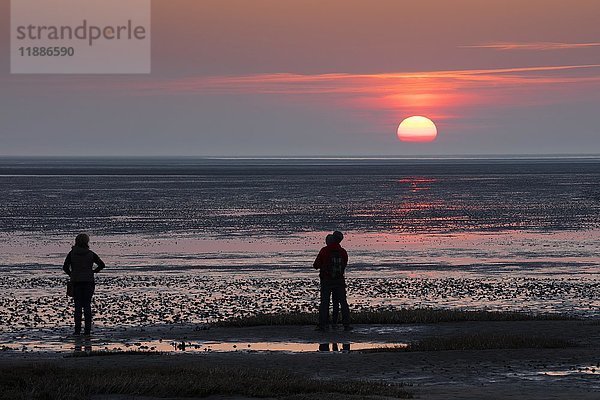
[336, 264]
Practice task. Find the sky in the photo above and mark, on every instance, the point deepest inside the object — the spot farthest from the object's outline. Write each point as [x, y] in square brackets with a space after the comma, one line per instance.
[326, 78]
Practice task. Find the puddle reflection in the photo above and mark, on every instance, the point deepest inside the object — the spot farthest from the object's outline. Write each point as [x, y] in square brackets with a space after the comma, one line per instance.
[86, 344]
[82, 344]
[344, 347]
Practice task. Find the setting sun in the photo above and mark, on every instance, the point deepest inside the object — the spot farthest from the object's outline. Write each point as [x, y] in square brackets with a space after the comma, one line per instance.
[417, 129]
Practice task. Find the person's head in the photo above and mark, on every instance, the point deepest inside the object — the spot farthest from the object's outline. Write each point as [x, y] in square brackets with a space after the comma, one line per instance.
[329, 239]
[82, 240]
[338, 236]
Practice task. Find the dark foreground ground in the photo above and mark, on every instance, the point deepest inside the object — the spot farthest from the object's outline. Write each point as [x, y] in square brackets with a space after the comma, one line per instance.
[464, 360]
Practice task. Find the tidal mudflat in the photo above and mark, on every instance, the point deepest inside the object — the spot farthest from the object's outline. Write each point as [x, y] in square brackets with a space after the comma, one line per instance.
[191, 244]
[188, 280]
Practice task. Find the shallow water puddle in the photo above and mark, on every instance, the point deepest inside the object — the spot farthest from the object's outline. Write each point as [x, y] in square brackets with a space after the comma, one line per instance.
[170, 346]
[578, 372]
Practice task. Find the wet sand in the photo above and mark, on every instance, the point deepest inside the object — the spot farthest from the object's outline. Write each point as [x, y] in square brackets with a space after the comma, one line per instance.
[572, 372]
[175, 279]
[206, 245]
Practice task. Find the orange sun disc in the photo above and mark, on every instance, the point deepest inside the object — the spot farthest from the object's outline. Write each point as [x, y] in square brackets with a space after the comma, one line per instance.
[417, 129]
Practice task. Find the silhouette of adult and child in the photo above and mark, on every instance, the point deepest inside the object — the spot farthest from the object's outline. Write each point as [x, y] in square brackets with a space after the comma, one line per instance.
[331, 263]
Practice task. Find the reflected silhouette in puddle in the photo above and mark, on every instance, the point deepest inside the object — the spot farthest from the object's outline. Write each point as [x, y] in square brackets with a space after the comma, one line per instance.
[82, 344]
[344, 347]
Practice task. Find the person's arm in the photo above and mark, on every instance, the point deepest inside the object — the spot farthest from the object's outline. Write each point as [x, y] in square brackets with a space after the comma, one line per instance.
[67, 264]
[344, 259]
[319, 260]
[98, 262]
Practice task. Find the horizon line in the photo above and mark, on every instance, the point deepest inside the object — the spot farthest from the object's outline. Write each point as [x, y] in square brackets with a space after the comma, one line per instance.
[313, 157]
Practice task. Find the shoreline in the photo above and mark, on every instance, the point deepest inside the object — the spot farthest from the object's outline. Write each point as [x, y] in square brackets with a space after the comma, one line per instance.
[567, 371]
[530, 373]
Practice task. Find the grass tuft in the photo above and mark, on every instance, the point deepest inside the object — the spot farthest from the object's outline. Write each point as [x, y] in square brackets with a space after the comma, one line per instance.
[394, 316]
[487, 342]
[53, 383]
[479, 342]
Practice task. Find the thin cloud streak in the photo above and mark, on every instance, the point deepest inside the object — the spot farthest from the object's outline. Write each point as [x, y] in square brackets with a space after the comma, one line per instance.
[443, 95]
[383, 83]
[540, 46]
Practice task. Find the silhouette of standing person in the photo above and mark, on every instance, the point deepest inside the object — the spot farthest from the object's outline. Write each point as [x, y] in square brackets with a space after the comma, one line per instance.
[335, 314]
[331, 263]
[79, 265]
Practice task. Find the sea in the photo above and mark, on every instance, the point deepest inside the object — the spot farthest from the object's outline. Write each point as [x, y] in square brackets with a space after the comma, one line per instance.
[198, 240]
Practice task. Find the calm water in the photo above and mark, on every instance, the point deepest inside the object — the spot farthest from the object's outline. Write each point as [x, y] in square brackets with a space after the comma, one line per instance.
[197, 240]
[275, 198]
